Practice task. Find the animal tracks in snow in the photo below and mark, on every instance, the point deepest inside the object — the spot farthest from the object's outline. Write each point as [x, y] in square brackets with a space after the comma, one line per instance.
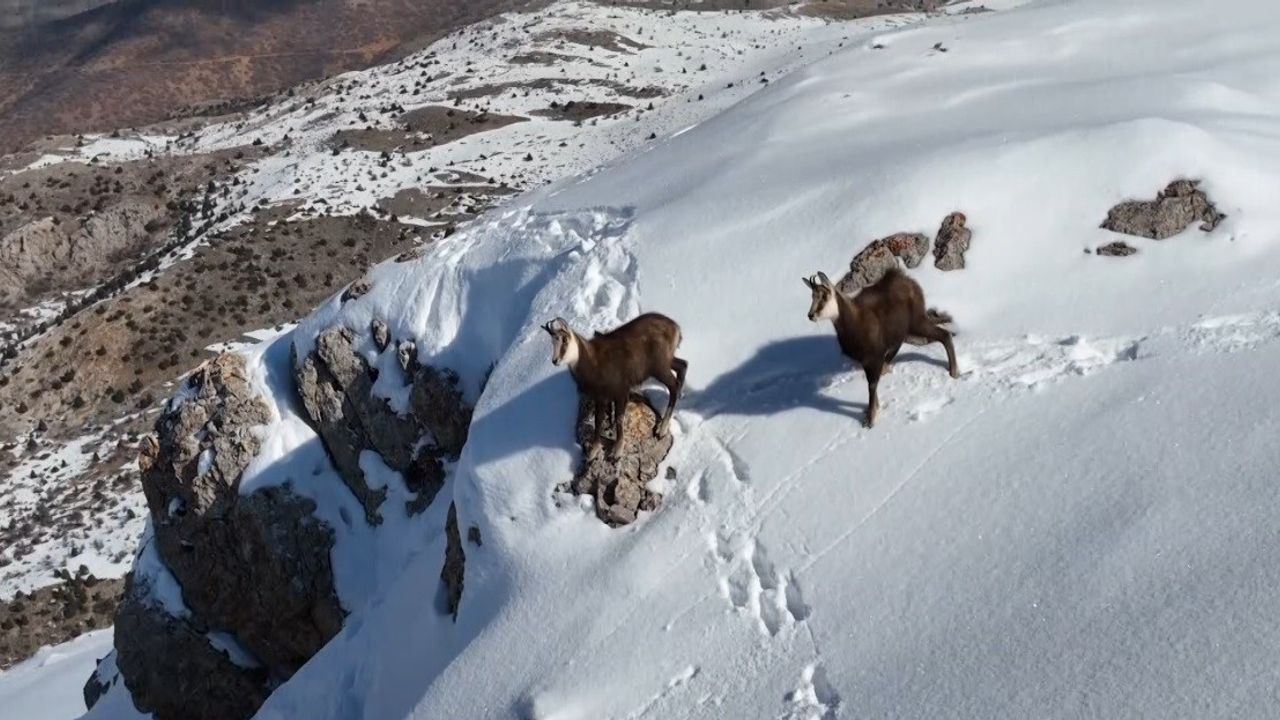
[756, 588]
[813, 699]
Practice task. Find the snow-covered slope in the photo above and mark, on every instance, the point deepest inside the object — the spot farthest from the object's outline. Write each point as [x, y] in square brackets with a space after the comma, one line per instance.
[1081, 525]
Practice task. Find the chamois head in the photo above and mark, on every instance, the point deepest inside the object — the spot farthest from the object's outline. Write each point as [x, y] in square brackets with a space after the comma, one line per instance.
[823, 306]
[564, 344]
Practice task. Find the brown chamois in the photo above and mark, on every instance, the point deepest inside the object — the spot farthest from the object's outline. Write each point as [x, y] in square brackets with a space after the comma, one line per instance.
[609, 365]
[872, 325]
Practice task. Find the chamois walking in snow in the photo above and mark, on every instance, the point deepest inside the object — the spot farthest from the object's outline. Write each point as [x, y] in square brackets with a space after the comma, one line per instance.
[872, 325]
[609, 365]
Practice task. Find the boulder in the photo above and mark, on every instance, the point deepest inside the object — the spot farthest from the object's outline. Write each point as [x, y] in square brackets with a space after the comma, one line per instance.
[619, 488]
[1175, 208]
[880, 256]
[1118, 248]
[952, 242]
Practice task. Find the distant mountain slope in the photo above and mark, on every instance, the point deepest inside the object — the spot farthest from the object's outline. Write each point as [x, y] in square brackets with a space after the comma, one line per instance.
[133, 62]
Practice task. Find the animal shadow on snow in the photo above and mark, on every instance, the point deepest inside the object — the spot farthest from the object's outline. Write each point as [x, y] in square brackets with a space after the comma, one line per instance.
[791, 373]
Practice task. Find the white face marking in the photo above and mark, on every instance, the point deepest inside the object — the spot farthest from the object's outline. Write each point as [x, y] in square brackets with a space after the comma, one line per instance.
[570, 355]
[564, 348]
[829, 310]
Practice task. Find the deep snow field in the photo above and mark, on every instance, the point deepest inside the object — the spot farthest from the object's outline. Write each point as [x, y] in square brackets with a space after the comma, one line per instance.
[1082, 525]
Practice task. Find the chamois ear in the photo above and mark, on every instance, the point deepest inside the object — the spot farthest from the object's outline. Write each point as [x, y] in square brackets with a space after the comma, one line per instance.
[823, 279]
[548, 328]
[807, 282]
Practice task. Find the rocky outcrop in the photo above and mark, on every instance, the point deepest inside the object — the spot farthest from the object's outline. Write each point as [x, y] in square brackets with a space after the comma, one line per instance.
[255, 567]
[619, 488]
[172, 670]
[335, 383]
[880, 256]
[1174, 210]
[952, 242]
[254, 570]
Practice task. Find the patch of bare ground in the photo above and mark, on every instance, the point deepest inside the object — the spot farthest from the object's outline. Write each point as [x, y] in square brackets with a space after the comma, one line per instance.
[132, 63]
[543, 57]
[74, 225]
[497, 89]
[578, 111]
[423, 128]
[56, 614]
[602, 39]
[833, 9]
[118, 355]
[444, 204]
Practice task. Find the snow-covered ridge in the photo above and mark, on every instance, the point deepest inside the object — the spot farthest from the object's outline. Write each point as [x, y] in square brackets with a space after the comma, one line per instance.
[1079, 525]
[1093, 489]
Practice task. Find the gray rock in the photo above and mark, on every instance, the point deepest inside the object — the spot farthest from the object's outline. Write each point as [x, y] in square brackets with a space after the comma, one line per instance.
[256, 566]
[454, 563]
[880, 256]
[951, 243]
[173, 672]
[619, 488]
[1118, 248]
[336, 387]
[1174, 210]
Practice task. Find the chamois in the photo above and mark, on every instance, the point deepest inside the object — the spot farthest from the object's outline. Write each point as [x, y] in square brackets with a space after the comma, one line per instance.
[872, 325]
[609, 365]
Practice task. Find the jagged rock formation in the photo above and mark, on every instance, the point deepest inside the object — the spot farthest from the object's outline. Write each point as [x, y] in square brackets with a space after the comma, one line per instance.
[255, 569]
[1174, 210]
[619, 488]
[880, 256]
[336, 386]
[952, 242]
[171, 669]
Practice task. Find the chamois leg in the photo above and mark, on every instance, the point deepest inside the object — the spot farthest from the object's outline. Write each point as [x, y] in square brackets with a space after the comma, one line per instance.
[873, 370]
[926, 329]
[674, 381]
[619, 413]
[680, 367]
[597, 442]
[889, 356]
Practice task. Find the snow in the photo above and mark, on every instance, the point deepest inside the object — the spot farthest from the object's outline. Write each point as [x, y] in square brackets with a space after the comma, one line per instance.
[1081, 525]
[48, 685]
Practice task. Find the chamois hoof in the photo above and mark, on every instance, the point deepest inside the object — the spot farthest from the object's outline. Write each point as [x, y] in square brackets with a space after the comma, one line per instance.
[955, 374]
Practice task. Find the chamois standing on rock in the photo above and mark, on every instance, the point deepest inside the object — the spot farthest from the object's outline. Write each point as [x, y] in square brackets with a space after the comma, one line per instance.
[609, 365]
[872, 325]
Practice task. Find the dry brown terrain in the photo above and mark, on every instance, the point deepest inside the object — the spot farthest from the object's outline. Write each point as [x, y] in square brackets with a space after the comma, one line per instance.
[128, 64]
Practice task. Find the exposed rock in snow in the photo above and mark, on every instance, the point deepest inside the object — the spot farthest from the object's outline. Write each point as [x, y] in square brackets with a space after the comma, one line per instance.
[620, 488]
[171, 669]
[255, 567]
[1119, 248]
[951, 243]
[1174, 210]
[880, 256]
[336, 385]
[455, 561]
